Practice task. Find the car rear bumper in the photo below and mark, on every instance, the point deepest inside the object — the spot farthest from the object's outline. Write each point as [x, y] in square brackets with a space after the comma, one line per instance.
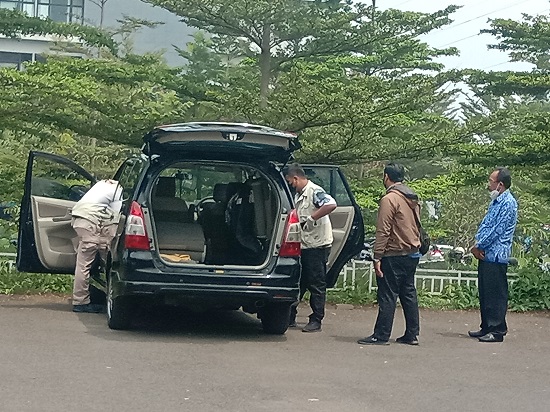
[206, 291]
[143, 277]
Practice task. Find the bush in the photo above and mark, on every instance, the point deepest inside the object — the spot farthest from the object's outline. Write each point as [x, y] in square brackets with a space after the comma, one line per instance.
[16, 283]
[531, 290]
[454, 296]
[357, 296]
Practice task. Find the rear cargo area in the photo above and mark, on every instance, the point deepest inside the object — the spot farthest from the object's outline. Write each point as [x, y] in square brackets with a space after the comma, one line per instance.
[214, 213]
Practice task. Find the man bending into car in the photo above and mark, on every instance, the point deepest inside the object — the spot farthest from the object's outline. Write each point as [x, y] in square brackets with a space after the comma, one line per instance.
[95, 220]
[313, 205]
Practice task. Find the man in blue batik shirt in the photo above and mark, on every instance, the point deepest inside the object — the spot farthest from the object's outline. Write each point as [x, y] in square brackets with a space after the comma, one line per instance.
[492, 249]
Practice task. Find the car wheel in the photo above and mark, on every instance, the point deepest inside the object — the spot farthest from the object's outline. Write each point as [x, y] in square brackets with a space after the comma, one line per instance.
[119, 310]
[275, 318]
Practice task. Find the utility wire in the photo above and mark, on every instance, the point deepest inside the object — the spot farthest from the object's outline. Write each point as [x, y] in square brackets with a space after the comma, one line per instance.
[477, 34]
[400, 4]
[484, 15]
[459, 40]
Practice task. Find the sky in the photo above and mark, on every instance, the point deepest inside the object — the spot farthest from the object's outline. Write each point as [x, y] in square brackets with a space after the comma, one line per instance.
[468, 21]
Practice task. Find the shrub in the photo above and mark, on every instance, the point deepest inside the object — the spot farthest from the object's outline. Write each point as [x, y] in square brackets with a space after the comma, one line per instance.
[13, 282]
[531, 290]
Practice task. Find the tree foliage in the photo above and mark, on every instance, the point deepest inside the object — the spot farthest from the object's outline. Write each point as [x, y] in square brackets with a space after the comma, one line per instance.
[512, 107]
[274, 34]
[14, 23]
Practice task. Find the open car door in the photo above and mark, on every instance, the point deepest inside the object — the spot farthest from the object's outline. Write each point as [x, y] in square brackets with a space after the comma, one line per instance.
[347, 222]
[46, 241]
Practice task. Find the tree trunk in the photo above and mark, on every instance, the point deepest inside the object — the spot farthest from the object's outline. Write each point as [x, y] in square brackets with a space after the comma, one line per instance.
[102, 15]
[265, 65]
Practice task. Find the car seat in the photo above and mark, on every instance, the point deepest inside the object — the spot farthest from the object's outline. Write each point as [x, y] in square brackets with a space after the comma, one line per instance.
[240, 217]
[166, 206]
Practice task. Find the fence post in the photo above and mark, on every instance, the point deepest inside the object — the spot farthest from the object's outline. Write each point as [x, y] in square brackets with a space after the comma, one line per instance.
[370, 276]
[353, 275]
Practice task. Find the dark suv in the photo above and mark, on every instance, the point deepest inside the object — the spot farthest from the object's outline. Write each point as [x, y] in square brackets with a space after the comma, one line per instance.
[208, 222]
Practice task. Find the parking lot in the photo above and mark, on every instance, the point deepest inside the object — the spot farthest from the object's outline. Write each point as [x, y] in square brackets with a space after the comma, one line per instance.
[55, 360]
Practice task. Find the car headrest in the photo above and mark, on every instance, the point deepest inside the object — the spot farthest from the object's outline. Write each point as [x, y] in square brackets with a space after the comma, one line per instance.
[166, 187]
[220, 193]
[237, 187]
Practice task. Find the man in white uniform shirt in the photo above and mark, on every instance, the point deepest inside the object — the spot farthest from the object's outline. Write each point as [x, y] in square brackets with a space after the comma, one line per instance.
[313, 205]
[95, 220]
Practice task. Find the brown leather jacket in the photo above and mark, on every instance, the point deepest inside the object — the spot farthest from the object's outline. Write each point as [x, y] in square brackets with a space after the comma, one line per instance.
[396, 230]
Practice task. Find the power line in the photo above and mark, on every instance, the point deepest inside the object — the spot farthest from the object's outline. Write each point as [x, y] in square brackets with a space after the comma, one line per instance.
[459, 40]
[495, 65]
[484, 15]
[477, 34]
[400, 4]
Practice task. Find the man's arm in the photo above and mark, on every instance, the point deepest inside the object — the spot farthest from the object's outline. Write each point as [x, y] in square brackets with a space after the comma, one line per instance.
[324, 204]
[383, 226]
[323, 211]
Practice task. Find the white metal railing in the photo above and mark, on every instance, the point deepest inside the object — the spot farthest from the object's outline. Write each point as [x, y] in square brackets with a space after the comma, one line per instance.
[8, 259]
[362, 272]
[432, 281]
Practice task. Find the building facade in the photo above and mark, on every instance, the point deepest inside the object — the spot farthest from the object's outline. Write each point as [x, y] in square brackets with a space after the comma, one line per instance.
[15, 52]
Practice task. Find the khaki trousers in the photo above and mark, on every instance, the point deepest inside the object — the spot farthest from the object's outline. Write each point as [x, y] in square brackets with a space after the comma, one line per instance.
[92, 240]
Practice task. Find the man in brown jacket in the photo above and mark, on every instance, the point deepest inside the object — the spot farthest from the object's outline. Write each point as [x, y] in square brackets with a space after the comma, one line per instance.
[396, 255]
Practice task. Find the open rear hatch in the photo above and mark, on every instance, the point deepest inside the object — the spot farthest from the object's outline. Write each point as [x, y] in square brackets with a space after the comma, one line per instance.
[222, 140]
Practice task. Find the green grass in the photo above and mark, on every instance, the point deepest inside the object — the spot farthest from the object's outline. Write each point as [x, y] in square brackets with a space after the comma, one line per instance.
[16, 283]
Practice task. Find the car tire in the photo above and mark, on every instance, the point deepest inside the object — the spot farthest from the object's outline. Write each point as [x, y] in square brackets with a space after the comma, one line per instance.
[119, 310]
[275, 318]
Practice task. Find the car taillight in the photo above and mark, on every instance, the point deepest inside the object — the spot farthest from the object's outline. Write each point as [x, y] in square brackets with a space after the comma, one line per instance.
[290, 247]
[135, 234]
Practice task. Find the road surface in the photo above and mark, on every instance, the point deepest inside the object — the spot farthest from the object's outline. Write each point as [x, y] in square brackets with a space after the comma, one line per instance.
[56, 360]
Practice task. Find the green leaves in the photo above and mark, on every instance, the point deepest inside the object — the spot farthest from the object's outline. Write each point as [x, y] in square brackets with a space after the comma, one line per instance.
[531, 290]
[109, 100]
[14, 23]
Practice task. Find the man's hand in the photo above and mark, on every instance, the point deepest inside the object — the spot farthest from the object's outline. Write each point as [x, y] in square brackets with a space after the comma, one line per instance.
[378, 269]
[478, 253]
[307, 223]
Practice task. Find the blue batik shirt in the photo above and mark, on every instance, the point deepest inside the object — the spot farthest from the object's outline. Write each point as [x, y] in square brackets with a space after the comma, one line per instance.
[496, 231]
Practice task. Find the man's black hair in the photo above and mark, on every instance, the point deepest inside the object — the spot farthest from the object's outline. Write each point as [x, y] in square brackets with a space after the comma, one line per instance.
[504, 176]
[294, 170]
[395, 172]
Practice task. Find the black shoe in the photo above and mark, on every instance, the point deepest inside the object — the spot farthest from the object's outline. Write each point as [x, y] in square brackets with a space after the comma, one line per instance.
[312, 326]
[371, 340]
[88, 308]
[477, 333]
[408, 341]
[492, 337]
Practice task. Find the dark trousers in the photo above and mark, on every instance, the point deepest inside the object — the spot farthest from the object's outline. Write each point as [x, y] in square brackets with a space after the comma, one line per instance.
[398, 281]
[493, 296]
[313, 278]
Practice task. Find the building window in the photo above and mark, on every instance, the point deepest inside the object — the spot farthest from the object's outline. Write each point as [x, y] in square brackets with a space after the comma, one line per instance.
[14, 60]
[65, 11]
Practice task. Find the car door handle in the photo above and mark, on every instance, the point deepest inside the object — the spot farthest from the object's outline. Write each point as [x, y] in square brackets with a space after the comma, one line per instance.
[62, 219]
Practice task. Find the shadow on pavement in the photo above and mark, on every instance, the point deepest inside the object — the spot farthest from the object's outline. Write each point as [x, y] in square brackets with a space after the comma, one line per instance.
[454, 335]
[162, 322]
[167, 323]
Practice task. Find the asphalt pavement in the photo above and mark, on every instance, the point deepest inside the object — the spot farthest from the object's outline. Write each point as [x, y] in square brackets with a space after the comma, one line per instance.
[55, 360]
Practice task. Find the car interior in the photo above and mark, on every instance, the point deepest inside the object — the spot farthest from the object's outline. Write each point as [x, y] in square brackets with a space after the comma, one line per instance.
[214, 215]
